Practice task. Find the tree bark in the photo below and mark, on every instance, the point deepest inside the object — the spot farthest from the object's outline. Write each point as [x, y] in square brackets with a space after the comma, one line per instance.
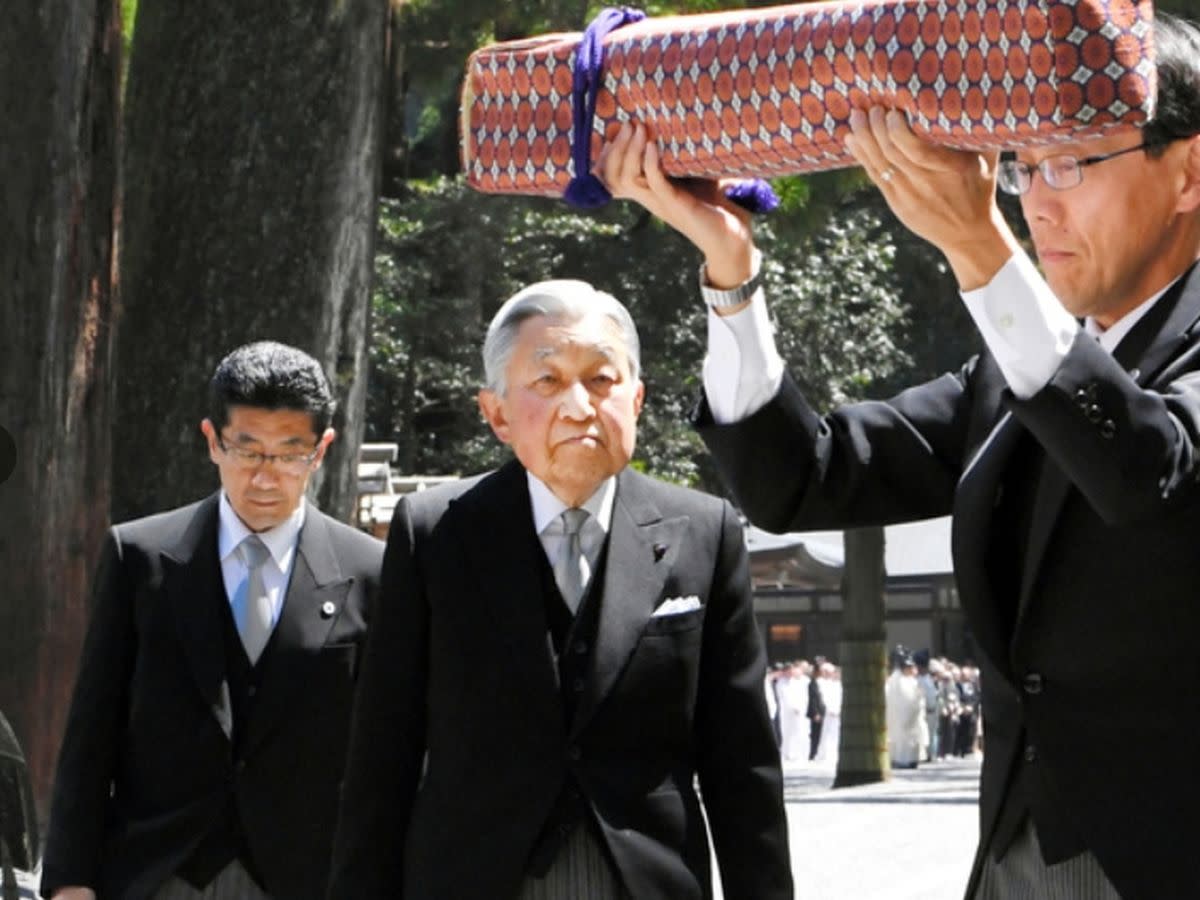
[252, 179]
[862, 754]
[59, 76]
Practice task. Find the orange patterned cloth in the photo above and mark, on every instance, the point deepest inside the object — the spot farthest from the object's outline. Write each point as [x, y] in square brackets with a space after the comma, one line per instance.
[768, 92]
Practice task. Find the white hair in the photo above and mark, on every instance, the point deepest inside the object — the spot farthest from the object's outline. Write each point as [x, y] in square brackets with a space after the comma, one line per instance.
[564, 300]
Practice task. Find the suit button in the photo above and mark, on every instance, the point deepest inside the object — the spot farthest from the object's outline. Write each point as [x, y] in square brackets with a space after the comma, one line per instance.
[574, 753]
[1030, 753]
[1082, 398]
[1108, 428]
[1094, 412]
[580, 647]
[252, 690]
[578, 684]
[240, 766]
[1032, 683]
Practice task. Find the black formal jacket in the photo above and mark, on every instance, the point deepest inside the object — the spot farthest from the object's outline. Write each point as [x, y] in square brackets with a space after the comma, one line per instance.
[1079, 617]
[146, 762]
[460, 748]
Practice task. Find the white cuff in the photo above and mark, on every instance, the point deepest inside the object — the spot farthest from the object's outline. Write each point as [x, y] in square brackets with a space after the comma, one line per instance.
[1024, 326]
[743, 369]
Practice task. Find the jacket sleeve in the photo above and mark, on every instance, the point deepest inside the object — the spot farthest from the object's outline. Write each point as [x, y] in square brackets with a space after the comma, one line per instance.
[738, 762]
[862, 464]
[387, 738]
[81, 796]
[1132, 451]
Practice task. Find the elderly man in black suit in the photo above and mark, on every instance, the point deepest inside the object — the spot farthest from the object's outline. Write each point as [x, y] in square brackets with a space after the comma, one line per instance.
[205, 741]
[1068, 452]
[561, 648]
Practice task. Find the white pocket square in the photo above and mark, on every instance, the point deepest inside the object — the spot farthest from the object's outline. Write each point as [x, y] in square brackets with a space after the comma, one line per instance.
[677, 605]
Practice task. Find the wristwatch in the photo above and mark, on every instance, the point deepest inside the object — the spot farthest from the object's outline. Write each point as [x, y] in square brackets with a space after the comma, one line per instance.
[725, 299]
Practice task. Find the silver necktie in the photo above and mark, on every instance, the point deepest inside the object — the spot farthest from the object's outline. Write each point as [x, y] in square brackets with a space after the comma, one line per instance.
[571, 569]
[254, 611]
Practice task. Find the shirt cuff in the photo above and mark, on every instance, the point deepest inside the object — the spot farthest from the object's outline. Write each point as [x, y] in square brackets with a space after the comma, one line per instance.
[1027, 330]
[743, 369]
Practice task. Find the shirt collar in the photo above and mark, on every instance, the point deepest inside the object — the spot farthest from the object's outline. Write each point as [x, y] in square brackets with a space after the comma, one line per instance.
[1110, 338]
[547, 507]
[280, 540]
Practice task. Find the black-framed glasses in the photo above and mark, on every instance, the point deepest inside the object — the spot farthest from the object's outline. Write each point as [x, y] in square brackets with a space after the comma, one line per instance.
[288, 463]
[1059, 172]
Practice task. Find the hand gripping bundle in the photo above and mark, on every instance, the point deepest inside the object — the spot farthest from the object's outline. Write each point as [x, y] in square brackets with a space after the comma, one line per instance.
[768, 92]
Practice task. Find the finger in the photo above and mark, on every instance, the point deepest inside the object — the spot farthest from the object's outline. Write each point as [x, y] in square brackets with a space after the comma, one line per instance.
[606, 164]
[909, 149]
[632, 165]
[864, 147]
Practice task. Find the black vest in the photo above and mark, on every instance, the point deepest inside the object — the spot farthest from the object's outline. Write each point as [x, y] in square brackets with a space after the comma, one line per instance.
[226, 839]
[572, 639]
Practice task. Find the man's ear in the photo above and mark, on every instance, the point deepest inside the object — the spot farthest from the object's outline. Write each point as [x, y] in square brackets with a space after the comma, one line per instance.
[1189, 197]
[491, 405]
[323, 445]
[210, 434]
[639, 397]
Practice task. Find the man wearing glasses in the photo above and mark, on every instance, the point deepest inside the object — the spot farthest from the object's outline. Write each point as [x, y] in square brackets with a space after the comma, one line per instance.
[1068, 453]
[205, 742]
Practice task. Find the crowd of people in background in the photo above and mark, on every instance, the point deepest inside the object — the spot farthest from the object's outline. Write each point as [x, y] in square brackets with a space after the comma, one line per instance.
[933, 708]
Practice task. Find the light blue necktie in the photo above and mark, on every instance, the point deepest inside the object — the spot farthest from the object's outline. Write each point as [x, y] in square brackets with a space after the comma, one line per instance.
[253, 611]
[571, 568]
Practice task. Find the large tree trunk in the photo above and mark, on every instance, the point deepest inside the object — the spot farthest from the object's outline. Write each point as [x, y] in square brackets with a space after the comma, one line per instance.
[59, 74]
[252, 179]
[863, 756]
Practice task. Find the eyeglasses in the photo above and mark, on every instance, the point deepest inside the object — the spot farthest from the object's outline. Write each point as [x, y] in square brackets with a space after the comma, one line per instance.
[287, 463]
[1059, 172]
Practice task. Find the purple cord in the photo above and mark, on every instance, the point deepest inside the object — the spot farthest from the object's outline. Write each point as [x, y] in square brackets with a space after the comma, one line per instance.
[586, 191]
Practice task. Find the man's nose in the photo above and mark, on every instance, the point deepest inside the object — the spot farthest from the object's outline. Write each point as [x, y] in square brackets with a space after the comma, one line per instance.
[576, 402]
[1042, 202]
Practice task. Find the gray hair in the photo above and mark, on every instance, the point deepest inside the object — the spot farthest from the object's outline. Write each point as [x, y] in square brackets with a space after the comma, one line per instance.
[564, 300]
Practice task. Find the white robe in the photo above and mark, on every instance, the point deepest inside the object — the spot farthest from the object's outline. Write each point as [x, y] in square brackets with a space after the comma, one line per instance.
[831, 691]
[905, 719]
[793, 717]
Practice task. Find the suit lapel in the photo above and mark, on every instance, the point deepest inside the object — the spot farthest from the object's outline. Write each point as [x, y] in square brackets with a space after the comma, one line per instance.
[494, 521]
[315, 596]
[193, 585]
[642, 547]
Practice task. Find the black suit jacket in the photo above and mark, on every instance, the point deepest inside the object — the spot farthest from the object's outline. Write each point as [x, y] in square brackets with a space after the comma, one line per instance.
[146, 763]
[1108, 599]
[459, 746]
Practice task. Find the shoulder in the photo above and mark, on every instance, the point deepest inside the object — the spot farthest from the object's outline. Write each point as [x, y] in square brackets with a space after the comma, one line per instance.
[350, 542]
[673, 498]
[165, 529]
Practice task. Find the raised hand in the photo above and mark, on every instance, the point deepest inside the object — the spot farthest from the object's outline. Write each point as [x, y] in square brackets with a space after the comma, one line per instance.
[947, 197]
[630, 167]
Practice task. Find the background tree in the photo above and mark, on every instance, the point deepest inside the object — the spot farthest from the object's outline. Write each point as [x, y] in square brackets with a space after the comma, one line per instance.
[59, 63]
[253, 135]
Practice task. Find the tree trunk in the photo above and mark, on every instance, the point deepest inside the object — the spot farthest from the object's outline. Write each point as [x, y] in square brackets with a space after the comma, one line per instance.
[252, 180]
[862, 754]
[59, 75]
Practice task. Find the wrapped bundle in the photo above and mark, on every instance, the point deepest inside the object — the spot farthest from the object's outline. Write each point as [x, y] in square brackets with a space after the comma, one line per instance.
[767, 92]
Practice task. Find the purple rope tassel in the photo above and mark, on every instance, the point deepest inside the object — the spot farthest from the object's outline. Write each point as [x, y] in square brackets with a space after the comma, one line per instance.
[586, 191]
[753, 194]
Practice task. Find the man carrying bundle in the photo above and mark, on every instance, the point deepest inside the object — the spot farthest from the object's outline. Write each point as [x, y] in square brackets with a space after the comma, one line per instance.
[1068, 452]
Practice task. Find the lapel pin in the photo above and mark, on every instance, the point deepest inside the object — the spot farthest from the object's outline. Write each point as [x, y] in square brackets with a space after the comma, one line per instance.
[659, 551]
[328, 609]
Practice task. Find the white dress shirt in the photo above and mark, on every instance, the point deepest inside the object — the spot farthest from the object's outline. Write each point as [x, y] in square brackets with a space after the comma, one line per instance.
[547, 508]
[281, 541]
[1024, 326]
